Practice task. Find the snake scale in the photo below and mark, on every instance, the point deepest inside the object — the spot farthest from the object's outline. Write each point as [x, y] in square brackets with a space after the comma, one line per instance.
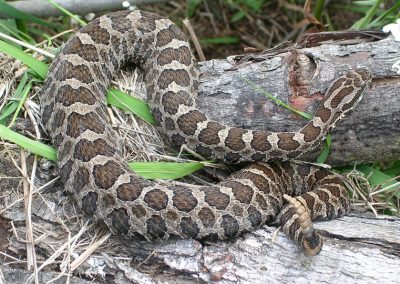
[90, 152]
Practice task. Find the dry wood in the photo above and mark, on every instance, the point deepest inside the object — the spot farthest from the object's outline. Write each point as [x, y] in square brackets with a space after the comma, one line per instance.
[369, 133]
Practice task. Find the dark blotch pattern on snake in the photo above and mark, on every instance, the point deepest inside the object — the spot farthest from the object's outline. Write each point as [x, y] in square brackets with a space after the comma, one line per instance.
[89, 151]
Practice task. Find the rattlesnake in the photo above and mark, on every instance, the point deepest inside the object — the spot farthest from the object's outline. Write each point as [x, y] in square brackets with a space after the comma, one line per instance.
[89, 151]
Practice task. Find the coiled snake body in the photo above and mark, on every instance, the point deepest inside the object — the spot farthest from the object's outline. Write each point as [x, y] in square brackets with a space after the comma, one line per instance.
[89, 152]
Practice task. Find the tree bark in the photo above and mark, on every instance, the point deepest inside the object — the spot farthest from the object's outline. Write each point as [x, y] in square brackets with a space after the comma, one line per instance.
[369, 133]
[41, 8]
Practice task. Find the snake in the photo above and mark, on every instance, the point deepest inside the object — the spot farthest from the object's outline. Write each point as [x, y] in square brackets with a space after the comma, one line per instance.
[270, 187]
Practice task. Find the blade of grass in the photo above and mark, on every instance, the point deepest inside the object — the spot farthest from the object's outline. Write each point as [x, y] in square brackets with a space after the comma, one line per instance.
[14, 101]
[191, 7]
[319, 8]
[165, 170]
[277, 101]
[21, 101]
[68, 13]
[238, 16]
[29, 144]
[27, 45]
[378, 21]
[12, 30]
[37, 66]
[325, 151]
[220, 40]
[17, 14]
[148, 170]
[114, 97]
[128, 103]
[366, 20]
[376, 177]
[394, 169]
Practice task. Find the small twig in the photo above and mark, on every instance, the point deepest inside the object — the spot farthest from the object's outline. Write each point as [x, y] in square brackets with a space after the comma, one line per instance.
[75, 264]
[37, 190]
[389, 187]
[60, 250]
[356, 187]
[27, 45]
[16, 260]
[33, 120]
[52, 38]
[30, 246]
[196, 42]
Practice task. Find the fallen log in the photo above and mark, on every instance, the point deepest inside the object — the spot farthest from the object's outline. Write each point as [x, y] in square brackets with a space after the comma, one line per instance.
[359, 247]
[369, 133]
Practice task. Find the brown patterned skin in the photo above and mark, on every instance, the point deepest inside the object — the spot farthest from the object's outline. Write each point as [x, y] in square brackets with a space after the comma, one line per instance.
[89, 151]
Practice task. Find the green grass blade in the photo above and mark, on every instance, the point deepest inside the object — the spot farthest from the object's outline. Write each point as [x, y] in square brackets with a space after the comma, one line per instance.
[364, 22]
[319, 9]
[220, 40]
[17, 14]
[375, 177]
[394, 169]
[378, 22]
[10, 29]
[114, 97]
[148, 170]
[164, 170]
[29, 144]
[38, 66]
[325, 151]
[129, 103]
[14, 101]
[238, 16]
[24, 94]
[68, 13]
[191, 7]
[277, 101]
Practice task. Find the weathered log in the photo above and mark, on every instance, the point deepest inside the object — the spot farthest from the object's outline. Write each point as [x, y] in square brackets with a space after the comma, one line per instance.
[369, 133]
[358, 247]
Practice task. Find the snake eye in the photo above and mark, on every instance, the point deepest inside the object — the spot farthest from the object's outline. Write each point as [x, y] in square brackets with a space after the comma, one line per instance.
[362, 75]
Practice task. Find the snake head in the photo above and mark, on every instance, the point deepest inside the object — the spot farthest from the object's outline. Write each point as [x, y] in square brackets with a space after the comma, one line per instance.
[361, 77]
